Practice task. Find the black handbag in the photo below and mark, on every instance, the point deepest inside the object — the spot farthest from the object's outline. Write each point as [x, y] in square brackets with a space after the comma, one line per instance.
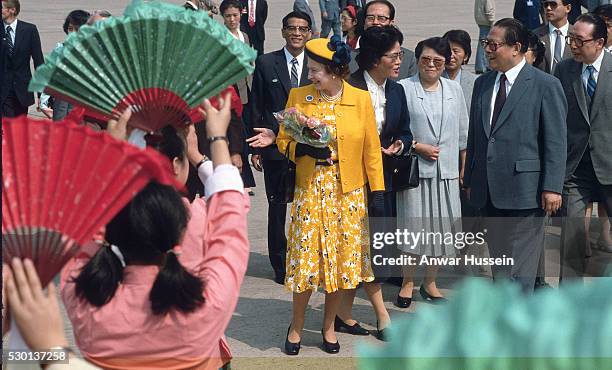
[405, 171]
[284, 184]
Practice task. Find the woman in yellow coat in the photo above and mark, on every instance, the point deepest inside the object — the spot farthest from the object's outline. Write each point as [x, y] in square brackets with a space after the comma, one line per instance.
[328, 239]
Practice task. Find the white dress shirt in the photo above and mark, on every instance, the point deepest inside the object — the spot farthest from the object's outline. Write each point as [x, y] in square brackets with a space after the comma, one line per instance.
[14, 28]
[299, 66]
[511, 76]
[379, 100]
[552, 36]
[597, 65]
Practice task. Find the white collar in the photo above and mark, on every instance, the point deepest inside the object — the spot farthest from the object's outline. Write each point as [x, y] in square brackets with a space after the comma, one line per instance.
[371, 82]
[239, 37]
[289, 57]
[513, 72]
[596, 63]
[13, 25]
[563, 29]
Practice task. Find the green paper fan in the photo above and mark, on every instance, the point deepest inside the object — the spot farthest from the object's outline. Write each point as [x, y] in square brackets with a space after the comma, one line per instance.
[159, 59]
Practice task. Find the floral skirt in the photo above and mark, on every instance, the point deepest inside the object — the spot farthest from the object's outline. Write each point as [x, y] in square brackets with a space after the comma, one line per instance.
[328, 241]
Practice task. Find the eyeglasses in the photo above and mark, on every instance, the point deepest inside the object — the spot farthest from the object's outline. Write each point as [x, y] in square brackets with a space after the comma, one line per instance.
[299, 29]
[552, 4]
[395, 56]
[579, 42]
[380, 18]
[437, 62]
[491, 44]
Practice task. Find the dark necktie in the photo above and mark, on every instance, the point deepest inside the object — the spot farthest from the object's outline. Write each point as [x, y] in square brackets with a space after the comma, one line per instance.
[294, 74]
[500, 99]
[9, 41]
[557, 54]
[591, 83]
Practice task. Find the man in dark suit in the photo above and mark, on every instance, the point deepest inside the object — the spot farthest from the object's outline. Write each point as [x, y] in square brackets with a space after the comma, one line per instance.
[379, 13]
[587, 82]
[528, 12]
[553, 34]
[276, 73]
[20, 42]
[252, 22]
[516, 152]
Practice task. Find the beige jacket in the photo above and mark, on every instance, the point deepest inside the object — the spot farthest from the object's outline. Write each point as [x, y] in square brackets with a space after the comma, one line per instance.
[484, 12]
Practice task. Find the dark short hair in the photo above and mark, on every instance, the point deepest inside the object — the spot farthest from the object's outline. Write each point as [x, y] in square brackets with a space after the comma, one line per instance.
[375, 42]
[604, 11]
[77, 18]
[516, 32]
[297, 14]
[439, 44]
[600, 30]
[225, 4]
[538, 48]
[384, 2]
[463, 39]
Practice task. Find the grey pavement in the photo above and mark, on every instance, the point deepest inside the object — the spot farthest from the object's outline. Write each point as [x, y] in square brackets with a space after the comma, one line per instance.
[256, 332]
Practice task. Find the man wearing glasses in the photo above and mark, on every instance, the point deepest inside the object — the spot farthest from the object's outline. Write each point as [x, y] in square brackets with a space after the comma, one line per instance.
[587, 82]
[553, 34]
[516, 151]
[275, 74]
[380, 13]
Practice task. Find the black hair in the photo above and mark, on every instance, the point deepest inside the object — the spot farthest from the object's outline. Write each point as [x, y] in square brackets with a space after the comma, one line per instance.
[604, 11]
[600, 30]
[384, 2]
[537, 47]
[297, 14]
[226, 4]
[375, 42]
[169, 142]
[145, 231]
[77, 18]
[515, 32]
[463, 39]
[439, 44]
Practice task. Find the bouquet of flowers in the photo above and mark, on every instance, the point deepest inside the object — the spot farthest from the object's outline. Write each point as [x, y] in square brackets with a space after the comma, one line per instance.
[304, 129]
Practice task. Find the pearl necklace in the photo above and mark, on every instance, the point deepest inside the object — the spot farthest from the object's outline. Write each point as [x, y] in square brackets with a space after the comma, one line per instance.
[334, 98]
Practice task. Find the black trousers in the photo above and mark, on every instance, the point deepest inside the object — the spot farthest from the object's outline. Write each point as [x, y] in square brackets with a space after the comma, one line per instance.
[256, 42]
[277, 240]
[515, 233]
[580, 190]
[11, 107]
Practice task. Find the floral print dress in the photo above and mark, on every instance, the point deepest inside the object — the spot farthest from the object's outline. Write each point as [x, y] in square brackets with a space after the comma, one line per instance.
[328, 240]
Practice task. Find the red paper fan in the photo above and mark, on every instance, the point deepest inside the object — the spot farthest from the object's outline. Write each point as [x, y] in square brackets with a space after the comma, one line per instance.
[61, 182]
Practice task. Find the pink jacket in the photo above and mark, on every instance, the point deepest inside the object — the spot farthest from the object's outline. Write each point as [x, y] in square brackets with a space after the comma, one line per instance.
[124, 333]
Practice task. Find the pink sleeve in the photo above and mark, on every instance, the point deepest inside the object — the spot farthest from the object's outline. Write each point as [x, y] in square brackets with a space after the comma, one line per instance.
[226, 252]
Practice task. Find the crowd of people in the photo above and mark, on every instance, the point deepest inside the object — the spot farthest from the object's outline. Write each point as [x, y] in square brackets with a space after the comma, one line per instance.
[525, 137]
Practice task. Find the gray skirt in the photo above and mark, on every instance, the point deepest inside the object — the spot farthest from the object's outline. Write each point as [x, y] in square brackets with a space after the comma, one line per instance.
[432, 212]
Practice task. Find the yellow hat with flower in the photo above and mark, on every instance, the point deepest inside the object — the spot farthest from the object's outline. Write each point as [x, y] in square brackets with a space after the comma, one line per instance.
[329, 51]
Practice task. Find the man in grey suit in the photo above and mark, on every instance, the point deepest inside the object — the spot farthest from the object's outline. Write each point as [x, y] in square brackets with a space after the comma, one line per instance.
[304, 6]
[330, 17]
[516, 152]
[553, 34]
[587, 82]
[378, 13]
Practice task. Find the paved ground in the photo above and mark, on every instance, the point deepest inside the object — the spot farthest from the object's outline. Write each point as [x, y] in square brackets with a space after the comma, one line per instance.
[256, 332]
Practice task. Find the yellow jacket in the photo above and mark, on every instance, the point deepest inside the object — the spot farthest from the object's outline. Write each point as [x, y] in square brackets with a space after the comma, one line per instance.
[359, 154]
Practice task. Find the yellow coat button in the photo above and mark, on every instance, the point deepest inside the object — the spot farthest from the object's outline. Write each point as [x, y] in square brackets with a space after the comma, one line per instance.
[339, 114]
[341, 137]
[343, 159]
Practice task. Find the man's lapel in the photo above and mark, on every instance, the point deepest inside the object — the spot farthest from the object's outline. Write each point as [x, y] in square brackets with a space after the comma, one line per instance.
[579, 90]
[519, 87]
[604, 81]
[280, 67]
[485, 101]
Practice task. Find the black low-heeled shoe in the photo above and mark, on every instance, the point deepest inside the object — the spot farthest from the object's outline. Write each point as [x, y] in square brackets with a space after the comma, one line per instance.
[428, 297]
[380, 333]
[403, 302]
[292, 349]
[331, 348]
[355, 329]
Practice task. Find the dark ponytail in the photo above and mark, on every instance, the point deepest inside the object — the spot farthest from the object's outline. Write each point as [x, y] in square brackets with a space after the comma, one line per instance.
[145, 230]
[99, 279]
[175, 287]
